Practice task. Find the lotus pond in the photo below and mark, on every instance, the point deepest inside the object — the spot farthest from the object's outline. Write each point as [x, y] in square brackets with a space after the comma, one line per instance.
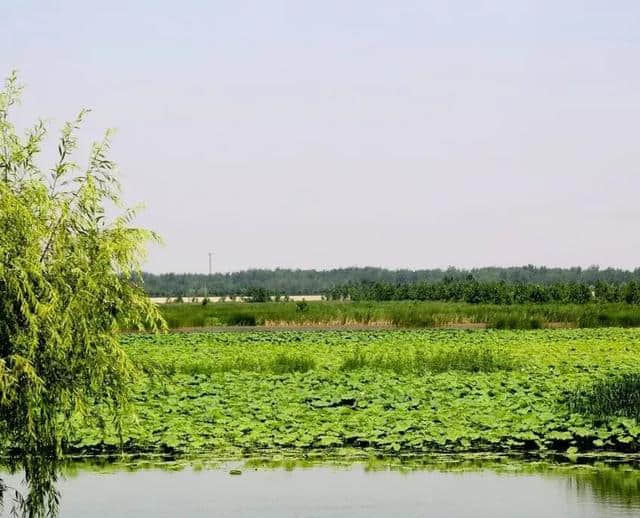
[388, 392]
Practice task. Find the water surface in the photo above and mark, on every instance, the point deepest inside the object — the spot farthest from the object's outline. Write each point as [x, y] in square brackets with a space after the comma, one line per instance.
[292, 489]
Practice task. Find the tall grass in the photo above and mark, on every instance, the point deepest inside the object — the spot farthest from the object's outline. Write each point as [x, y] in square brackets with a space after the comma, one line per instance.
[615, 396]
[285, 363]
[283, 360]
[280, 363]
[402, 314]
[354, 361]
[468, 359]
[242, 319]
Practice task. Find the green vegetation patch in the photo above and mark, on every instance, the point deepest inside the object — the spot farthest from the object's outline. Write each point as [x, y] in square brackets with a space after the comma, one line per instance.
[435, 359]
[615, 395]
[385, 391]
[402, 314]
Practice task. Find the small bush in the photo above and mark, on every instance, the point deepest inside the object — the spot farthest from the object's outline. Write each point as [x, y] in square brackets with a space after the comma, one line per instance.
[258, 295]
[517, 322]
[302, 306]
[241, 319]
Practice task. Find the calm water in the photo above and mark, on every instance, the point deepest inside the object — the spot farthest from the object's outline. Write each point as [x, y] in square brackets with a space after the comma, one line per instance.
[354, 491]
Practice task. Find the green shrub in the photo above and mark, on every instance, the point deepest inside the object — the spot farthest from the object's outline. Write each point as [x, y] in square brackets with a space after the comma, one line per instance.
[535, 323]
[517, 322]
[241, 319]
[258, 295]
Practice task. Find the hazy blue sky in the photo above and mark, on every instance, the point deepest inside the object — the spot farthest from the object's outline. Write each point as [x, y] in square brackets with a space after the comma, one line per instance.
[336, 133]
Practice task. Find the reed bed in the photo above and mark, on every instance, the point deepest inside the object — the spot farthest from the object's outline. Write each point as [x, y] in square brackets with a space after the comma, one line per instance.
[402, 314]
[616, 395]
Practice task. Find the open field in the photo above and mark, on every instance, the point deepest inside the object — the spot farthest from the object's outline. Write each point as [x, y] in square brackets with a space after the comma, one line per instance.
[386, 391]
[401, 314]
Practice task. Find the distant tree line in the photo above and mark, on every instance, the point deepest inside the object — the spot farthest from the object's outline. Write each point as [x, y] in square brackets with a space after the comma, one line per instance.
[490, 292]
[308, 282]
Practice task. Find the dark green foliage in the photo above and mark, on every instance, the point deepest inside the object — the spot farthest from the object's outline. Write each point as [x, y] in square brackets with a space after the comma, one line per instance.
[306, 282]
[241, 319]
[517, 322]
[615, 395]
[472, 291]
[617, 316]
[258, 295]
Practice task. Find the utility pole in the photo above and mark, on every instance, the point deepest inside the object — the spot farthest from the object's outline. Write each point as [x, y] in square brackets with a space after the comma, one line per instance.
[206, 284]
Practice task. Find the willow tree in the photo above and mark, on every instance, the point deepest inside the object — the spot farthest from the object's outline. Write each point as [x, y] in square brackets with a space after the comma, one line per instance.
[69, 263]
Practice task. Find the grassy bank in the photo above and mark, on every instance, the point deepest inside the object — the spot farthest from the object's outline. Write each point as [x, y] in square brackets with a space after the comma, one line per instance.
[389, 391]
[402, 314]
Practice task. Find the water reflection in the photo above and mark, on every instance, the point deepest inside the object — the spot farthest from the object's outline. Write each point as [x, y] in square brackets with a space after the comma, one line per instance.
[34, 492]
[276, 485]
[619, 486]
[611, 480]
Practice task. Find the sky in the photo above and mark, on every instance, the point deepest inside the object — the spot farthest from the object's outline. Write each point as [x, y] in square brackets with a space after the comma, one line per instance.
[401, 134]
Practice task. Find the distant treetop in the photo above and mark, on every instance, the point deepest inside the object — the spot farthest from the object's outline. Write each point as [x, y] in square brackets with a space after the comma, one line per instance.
[306, 282]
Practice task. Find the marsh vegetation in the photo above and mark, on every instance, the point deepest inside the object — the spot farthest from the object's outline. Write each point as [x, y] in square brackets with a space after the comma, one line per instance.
[401, 314]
